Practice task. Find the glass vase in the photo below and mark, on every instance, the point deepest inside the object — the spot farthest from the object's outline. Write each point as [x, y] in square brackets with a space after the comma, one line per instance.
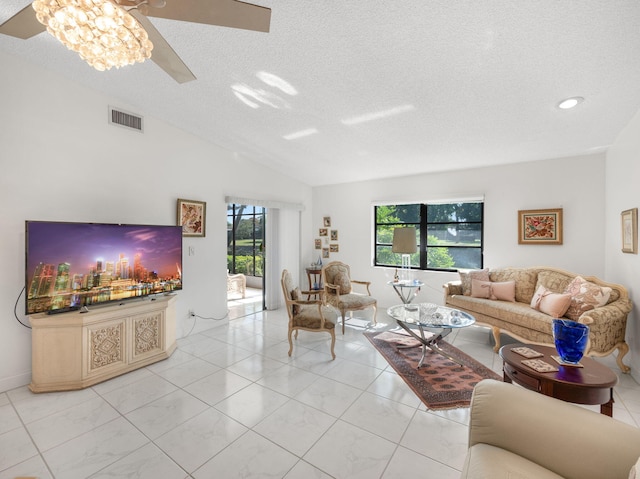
[571, 339]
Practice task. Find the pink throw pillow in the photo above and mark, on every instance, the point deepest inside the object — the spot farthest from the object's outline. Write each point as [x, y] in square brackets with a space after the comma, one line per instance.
[585, 296]
[548, 302]
[504, 291]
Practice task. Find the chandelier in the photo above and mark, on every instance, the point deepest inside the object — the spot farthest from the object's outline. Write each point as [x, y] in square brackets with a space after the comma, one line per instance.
[104, 34]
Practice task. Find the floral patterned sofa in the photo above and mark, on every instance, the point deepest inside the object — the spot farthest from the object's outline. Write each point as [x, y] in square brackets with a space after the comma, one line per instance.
[523, 301]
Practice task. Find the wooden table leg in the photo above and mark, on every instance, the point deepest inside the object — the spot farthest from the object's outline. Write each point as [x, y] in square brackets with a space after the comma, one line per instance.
[607, 408]
[505, 376]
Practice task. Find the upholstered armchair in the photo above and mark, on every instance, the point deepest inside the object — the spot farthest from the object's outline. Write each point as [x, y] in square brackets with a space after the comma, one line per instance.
[517, 433]
[339, 293]
[237, 283]
[310, 315]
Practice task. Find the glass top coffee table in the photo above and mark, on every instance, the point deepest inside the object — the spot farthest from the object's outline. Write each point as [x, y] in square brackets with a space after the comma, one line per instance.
[438, 321]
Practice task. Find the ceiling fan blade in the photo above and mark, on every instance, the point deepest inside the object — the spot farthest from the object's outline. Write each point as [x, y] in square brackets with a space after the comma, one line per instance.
[23, 24]
[226, 13]
[162, 54]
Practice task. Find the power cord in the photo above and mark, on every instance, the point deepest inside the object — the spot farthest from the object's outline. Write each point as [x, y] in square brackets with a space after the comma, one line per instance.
[195, 317]
[15, 309]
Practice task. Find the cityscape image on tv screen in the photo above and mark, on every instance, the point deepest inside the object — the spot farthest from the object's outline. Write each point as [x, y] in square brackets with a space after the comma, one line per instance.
[70, 265]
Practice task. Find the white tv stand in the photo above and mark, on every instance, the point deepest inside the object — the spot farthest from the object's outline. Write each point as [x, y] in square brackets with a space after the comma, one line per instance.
[75, 350]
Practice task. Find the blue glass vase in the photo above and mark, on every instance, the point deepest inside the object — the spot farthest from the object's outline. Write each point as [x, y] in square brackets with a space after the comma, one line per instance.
[571, 339]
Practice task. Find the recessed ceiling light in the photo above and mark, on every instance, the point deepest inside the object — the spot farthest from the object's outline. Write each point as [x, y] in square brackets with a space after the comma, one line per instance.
[570, 102]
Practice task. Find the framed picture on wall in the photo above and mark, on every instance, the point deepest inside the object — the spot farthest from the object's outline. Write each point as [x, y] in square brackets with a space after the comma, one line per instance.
[318, 243]
[192, 217]
[323, 232]
[326, 221]
[334, 235]
[540, 226]
[333, 248]
[629, 220]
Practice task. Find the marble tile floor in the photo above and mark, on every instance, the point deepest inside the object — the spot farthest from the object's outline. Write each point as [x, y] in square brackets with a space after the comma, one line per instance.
[230, 403]
[239, 306]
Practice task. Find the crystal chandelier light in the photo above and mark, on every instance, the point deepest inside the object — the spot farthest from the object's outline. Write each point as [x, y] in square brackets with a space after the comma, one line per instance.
[104, 34]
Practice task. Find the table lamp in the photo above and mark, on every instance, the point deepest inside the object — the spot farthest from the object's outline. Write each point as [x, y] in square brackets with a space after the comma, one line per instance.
[404, 242]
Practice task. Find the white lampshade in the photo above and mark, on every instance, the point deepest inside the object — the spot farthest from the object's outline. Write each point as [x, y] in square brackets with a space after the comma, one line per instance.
[404, 241]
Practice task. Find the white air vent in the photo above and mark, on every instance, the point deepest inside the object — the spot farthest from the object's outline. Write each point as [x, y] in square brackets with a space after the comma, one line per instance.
[125, 119]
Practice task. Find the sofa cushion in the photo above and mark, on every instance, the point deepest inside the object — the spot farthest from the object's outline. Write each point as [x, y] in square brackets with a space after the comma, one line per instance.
[467, 275]
[553, 280]
[553, 304]
[485, 461]
[497, 291]
[517, 313]
[585, 296]
[525, 279]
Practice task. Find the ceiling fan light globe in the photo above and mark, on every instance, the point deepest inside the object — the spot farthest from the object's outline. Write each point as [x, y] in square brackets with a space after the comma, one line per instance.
[124, 35]
[73, 37]
[98, 65]
[109, 9]
[129, 22]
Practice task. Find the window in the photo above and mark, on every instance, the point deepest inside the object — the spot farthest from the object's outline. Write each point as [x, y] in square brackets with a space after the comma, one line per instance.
[449, 235]
[245, 239]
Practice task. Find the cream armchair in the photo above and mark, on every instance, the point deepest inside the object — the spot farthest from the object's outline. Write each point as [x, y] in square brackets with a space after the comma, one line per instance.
[338, 290]
[237, 283]
[307, 315]
[517, 433]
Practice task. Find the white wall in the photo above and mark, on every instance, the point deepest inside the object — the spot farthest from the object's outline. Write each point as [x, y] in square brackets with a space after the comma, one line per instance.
[623, 171]
[574, 184]
[61, 161]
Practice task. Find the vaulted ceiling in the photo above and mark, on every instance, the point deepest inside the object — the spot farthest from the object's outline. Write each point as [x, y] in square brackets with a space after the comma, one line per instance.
[342, 91]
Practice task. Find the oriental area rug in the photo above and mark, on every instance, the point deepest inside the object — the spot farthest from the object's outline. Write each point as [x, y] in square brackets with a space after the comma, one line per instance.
[439, 383]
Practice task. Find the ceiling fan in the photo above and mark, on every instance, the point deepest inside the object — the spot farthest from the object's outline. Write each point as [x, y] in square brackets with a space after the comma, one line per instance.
[227, 13]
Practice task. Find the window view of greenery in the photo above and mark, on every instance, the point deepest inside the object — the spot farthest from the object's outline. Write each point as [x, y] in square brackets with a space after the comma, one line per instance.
[449, 235]
[245, 239]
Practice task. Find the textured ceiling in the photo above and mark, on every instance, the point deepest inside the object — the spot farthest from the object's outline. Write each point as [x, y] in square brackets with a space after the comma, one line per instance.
[381, 88]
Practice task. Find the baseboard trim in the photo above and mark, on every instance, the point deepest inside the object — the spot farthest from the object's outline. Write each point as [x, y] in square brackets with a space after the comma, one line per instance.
[6, 384]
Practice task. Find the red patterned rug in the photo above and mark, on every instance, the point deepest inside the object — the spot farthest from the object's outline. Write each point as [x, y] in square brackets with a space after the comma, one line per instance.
[440, 383]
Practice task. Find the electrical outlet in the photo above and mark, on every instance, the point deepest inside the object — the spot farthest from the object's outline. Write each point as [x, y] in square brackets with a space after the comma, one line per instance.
[192, 313]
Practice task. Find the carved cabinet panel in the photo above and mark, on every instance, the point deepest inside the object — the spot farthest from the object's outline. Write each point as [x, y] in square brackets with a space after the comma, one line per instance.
[147, 335]
[106, 345]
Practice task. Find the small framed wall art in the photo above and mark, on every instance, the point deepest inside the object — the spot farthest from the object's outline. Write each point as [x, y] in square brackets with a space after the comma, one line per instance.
[192, 216]
[540, 226]
[629, 220]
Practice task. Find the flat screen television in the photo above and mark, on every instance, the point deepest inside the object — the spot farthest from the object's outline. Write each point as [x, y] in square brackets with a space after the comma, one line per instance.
[71, 265]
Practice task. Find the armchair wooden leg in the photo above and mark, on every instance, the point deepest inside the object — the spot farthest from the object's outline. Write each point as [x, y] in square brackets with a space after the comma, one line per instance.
[291, 342]
[333, 342]
[375, 312]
